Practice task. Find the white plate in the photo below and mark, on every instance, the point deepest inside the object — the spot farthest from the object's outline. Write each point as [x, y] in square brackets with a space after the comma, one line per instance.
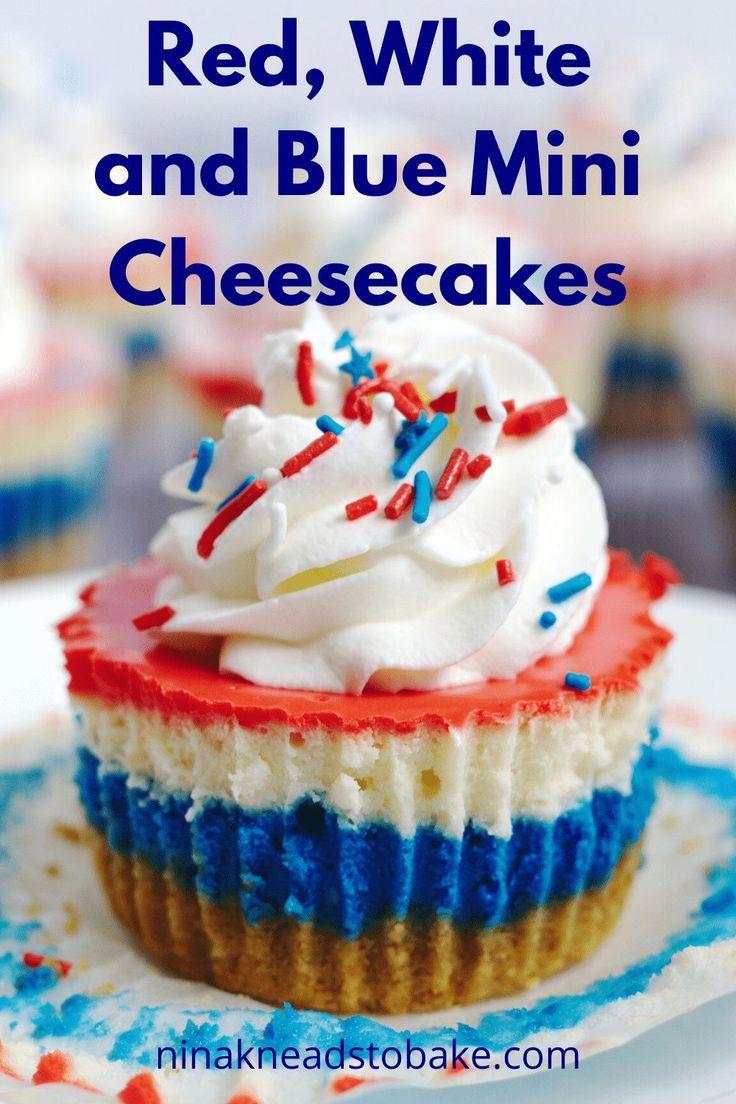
[691, 832]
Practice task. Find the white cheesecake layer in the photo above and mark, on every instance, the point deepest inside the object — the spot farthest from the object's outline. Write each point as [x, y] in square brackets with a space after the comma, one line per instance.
[535, 767]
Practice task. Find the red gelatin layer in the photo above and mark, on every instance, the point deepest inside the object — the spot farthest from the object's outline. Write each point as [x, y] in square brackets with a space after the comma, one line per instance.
[108, 658]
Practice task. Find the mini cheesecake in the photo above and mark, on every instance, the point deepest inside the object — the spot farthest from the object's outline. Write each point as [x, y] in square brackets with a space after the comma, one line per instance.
[380, 851]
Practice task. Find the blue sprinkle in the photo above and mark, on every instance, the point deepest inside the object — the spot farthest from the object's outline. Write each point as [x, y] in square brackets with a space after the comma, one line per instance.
[326, 424]
[422, 497]
[205, 454]
[358, 367]
[30, 980]
[409, 457]
[577, 682]
[246, 483]
[547, 619]
[562, 591]
[345, 340]
[409, 431]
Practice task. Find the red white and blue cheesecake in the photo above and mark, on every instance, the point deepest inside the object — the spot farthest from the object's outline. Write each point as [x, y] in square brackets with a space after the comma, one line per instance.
[371, 728]
[59, 395]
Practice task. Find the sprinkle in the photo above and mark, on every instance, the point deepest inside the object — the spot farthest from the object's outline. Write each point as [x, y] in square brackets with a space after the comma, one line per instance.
[345, 340]
[205, 454]
[353, 396]
[483, 415]
[154, 619]
[407, 388]
[59, 965]
[304, 368]
[381, 368]
[576, 681]
[384, 402]
[478, 465]
[300, 460]
[358, 367]
[548, 619]
[422, 497]
[399, 502]
[409, 457]
[141, 1089]
[271, 476]
[365, 411]
[360, 507]
[241, 487]
[452, 474]
[225, 517]
[328, 425]
[444, 404]
[562, 591]
[410, 432]
[405, 404]
[530, 419]
[505, 572]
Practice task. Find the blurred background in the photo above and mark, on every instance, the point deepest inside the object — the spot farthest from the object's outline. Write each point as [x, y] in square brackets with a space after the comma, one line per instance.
[97, 398]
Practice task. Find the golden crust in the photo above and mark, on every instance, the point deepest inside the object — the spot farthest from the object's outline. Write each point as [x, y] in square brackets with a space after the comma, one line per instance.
[397, 966]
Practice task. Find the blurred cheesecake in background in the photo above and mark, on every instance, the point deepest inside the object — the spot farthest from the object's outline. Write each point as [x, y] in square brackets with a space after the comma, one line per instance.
[52, 134]
[60, 389]
[678, 234]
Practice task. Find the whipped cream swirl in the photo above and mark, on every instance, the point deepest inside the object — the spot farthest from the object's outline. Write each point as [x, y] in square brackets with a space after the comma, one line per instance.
[293, 594]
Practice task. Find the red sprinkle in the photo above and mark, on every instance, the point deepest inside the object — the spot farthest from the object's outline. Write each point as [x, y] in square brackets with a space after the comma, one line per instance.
[53, 1068]
[87, 593]
[228, 514]
[509, 405]
[300, 459]
[154, 618]
[479, 464]
[361, 507]
[32, 960]
[346, 1083]
[405, 405]
[482, 414]
[141, 1089]
[381, 368]
[353, 396]
[452, 474]
[505, 572]
[530, 419]
[407, 388]
[400, 502]
[365, 410]
[64, 966]
[304, 367]
[444, 404]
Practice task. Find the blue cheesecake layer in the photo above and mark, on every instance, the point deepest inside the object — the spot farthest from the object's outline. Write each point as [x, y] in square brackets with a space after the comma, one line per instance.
[310, 863]
[45, 504]
[719, 433]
